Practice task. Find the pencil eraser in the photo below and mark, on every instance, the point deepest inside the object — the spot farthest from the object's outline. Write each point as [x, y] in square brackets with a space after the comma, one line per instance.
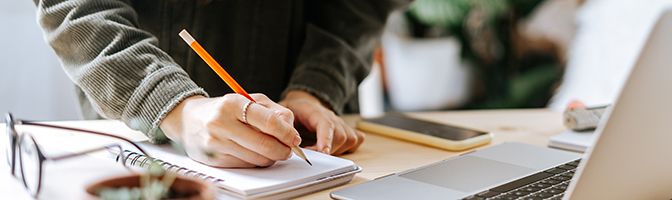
[186, 36]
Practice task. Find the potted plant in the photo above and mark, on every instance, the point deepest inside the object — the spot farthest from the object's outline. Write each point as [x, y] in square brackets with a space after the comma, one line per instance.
[153, 183]
[442, 54]
[150, 186]
[413, 65]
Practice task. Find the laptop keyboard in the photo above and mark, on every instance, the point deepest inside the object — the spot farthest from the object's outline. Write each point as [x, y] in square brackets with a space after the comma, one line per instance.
[549, 184]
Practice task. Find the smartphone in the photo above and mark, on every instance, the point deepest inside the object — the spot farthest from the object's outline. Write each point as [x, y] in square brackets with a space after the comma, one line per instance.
[443, 136]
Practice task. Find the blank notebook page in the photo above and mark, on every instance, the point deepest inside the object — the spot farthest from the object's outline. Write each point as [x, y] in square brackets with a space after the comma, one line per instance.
[251, 181]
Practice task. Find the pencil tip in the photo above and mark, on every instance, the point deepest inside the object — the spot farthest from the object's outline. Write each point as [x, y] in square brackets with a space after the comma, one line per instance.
[311, 164]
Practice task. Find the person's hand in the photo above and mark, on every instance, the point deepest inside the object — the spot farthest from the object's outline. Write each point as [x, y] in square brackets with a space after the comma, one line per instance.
[334, 136]
[213, 131]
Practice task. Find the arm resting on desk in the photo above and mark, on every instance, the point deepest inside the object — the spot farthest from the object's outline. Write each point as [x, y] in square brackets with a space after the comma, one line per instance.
[118, 66]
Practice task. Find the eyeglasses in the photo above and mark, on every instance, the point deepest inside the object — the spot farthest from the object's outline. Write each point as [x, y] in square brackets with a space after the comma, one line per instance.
[30, 158]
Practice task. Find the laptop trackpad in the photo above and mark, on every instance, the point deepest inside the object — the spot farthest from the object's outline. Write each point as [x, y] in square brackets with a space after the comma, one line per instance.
[468, 173]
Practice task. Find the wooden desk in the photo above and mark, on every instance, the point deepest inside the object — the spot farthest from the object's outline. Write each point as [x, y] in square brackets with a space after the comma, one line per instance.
[378, 155]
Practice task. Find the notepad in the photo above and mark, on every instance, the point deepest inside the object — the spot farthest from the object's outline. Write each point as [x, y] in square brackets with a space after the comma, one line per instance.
[284, 179]
[572, 140]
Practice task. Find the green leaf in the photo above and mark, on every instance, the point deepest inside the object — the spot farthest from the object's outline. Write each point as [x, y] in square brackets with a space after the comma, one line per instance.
[533, 83]
[155, 169]
[440, 13]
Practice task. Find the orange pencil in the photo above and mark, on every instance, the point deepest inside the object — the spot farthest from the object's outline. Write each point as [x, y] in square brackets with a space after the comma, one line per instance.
[225, 76]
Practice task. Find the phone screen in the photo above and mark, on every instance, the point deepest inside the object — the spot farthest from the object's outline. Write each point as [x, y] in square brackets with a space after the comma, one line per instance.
[449, 132]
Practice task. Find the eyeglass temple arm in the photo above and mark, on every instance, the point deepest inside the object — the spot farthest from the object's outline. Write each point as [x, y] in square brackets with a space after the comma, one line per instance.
[87, 131]
[56, 158]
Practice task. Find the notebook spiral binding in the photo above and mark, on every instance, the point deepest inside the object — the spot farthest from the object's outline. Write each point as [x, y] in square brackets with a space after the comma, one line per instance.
[139, 160]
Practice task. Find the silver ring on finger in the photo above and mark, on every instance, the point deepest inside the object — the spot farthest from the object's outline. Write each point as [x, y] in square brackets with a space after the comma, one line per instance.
[245, 108]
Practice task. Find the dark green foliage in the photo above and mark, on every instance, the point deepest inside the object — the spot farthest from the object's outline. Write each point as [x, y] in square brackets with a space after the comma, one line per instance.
[486, 30]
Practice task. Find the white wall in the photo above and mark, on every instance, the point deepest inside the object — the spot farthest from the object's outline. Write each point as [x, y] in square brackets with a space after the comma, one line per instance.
[32, 83]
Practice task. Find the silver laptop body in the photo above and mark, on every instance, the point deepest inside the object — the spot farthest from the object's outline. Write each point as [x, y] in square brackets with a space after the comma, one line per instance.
[631, 159]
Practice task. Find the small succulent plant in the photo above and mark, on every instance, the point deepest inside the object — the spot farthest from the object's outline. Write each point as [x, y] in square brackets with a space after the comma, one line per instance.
[155, 183]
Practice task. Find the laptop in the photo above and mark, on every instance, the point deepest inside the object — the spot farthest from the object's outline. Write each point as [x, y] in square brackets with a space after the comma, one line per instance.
[630, 159]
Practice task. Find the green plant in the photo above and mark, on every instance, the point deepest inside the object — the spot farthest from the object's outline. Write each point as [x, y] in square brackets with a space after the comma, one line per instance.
[487, 31]
[155, 184]
[439, 13]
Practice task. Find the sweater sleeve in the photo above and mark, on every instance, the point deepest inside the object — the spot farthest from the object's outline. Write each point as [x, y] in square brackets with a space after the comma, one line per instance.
[337, 52]
[119, 67]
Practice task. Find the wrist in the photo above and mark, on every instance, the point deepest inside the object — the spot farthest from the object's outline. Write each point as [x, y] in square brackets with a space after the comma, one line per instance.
[301, 95]
[172, 125]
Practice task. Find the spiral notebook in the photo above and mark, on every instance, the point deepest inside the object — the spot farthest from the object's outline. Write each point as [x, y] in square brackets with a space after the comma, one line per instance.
[284, 179]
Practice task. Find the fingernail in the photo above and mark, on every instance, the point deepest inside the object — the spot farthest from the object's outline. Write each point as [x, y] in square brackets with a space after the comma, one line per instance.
[297, 141]
[326, 150]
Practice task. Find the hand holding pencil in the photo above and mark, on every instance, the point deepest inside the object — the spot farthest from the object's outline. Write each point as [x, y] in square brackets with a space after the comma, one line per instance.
[282, 130]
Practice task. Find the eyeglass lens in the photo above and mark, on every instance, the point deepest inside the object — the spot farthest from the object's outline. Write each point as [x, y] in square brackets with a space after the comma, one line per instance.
[29, 159]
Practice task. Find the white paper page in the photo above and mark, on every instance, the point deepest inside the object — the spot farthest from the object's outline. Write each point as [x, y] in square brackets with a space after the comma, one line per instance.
[250, 181]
